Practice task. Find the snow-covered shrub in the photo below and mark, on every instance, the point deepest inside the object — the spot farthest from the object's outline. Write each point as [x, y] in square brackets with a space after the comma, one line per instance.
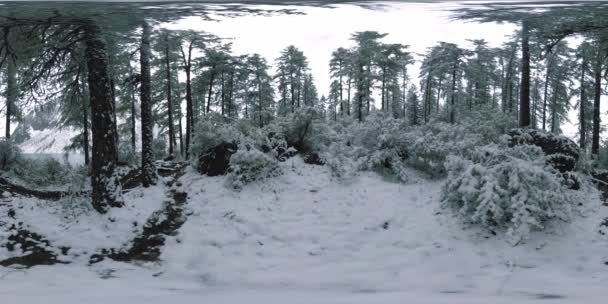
[382, 146]
[211, 131]
[271, 139]
[248, 165]
[126, 154]
[305, 130]
[9, 154]
[508, 188]
[561, 152]
[430, 144]
[343, 160]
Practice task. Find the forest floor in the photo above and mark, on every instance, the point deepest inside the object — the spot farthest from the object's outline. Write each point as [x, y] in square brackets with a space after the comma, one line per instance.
[303, 237]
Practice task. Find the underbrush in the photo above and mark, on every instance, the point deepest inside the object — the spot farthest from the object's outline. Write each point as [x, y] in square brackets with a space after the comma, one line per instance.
[381, 142]
[40, 172]
[512, 188]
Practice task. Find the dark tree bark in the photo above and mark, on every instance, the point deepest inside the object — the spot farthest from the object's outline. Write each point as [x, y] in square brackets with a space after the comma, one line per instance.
[292, 87]
[260, 110]
[360, 94]
[231, 92]
[148, 170]
[340, 88]
[85, 132]
[438, 93]
[507, 104]
[180, 131]
[383, 88]
[105, 186]
[582, 103]
[554, 123]
[11, 93]
[112, 85]
[348, 96]
[133, 114]
[210, 91]
[453, 95]
[169, 99]
[189, 107]
[545, 95]
[427, 96]
[223, 93]
[597, 86]
[524, 112]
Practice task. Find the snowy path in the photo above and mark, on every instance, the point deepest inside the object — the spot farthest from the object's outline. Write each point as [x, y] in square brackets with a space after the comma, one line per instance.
[306, 237]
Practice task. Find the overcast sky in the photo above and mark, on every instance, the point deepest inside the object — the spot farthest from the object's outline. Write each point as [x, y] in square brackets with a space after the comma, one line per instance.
[321, 30]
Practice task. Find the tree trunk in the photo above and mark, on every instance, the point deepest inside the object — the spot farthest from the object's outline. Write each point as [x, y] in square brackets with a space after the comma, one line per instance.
[115, 121]
[404, 93]
[11, 94]
[223, 92]
[133, 114]
[260, 100]
[85, 132]
[524, 112]
[105, 186]
[582, 104]
[597, 86]
[293, 92]
[189, 111]
[169, 93]
[427, 97]
[148, 171]
[348, 96]
[180, 130]
[554, 110]
[360, 94]
[507, 103]
[438, 93]
[453, 95]
[545, 94]
[383, 87]
[341, 90]
[169, 99]
[231, 92]
[211, 79]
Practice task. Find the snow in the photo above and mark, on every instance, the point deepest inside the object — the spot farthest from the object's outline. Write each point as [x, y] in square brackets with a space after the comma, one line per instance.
[73, 222]
[307, 237]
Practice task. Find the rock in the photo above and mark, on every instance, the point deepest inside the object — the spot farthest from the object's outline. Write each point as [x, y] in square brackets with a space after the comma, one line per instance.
[562, 153]
[215, 161]
[313, 158]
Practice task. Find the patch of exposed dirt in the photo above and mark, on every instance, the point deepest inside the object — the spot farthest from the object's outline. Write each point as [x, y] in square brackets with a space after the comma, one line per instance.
[164, 222]
[33, 245]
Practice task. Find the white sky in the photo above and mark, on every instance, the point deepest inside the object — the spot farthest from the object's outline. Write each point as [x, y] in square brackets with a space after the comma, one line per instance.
[322, 30]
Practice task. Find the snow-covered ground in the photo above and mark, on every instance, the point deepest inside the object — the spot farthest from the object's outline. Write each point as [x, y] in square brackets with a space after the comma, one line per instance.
[73, 223]
[307, 237]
